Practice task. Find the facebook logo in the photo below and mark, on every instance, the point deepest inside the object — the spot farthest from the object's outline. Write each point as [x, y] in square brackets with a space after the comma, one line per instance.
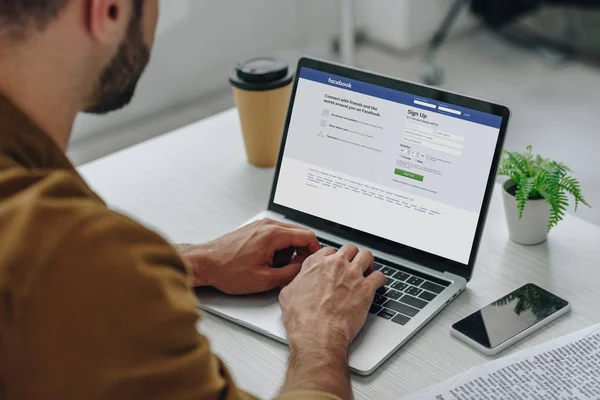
[340, 83]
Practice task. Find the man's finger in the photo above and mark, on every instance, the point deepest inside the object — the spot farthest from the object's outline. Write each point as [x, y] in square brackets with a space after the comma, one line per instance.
[282, 257]
[296, 237]
[375, 280]
[326, 251]
[298, 259]
[364, 260]
[285, 225]
[304, 251]
[278, 277]
[348, 251]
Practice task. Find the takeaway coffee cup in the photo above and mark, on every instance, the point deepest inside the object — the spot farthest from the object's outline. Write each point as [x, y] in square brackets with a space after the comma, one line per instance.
[261, 88]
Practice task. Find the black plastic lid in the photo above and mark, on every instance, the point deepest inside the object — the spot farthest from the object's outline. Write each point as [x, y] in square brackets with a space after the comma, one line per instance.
[261, 73]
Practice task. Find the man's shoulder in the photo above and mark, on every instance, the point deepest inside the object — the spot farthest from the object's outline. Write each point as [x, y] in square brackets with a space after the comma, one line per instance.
[51, 217]
[39, 207]
[18, 183]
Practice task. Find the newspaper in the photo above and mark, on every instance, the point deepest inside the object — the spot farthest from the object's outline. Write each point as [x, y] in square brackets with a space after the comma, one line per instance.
[565, 368]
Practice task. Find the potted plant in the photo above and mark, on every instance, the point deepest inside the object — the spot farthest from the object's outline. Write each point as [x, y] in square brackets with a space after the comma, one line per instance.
[536, 195]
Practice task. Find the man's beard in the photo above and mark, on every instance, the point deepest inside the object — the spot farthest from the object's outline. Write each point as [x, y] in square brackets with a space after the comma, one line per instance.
[118, 82]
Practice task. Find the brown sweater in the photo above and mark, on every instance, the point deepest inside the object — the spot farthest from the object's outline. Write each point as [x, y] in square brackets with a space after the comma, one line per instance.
[92, 305]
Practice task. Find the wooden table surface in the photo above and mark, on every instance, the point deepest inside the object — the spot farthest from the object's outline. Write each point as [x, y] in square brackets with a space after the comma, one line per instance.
[194, 184]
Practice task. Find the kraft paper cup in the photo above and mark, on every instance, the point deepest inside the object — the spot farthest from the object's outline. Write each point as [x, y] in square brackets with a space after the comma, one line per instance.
[262, 88]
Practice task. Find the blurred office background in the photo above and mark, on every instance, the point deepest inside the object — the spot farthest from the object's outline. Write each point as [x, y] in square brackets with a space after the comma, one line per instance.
[543, 65]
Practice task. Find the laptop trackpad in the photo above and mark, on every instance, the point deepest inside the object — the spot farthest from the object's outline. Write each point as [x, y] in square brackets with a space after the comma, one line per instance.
[259, 312]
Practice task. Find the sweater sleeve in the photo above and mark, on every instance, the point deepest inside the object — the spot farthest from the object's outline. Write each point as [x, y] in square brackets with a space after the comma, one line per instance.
[112, 316]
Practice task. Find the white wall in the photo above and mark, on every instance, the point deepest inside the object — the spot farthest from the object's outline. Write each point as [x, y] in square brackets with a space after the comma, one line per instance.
[404, 24]
[200, 40]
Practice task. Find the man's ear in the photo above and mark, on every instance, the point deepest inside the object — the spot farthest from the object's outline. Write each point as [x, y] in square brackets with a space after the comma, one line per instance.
[108, 20]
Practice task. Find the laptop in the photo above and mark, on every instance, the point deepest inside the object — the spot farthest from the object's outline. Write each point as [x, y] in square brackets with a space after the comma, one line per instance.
[403, 170]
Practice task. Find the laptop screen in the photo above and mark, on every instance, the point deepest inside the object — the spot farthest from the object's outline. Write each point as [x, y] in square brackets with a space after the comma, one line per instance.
[398, 166]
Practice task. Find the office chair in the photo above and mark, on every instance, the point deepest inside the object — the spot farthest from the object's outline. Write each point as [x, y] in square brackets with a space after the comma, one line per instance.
[496, 14]
[433, 74]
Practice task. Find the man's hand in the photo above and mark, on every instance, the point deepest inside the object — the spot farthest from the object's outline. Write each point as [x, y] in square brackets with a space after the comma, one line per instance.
[244, 261]
[331, 294]
[324, 309]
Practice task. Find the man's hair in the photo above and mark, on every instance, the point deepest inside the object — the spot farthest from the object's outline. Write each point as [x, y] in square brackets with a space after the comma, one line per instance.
[18, 17]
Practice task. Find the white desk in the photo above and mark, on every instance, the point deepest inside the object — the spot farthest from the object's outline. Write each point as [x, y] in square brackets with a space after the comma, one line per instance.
[194, 184]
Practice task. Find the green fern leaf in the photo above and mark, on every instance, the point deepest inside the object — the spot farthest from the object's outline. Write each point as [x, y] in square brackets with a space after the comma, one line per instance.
[562, 167]
[524, 189]
[543, 164]
[573, 187]
[536, 176]
[519, 161]
[558, 209]
[557, 199]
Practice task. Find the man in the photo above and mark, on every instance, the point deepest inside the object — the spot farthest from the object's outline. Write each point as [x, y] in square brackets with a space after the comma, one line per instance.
[94, 306]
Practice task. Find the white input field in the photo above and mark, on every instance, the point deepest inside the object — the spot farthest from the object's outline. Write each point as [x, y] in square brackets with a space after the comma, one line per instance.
[433, 146]
[422, 103]
[433, 139]
[449, 110]
[420, 128]
[451, 136]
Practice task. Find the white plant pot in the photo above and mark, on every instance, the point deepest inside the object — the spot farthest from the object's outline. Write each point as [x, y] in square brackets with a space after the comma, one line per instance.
[533, 227]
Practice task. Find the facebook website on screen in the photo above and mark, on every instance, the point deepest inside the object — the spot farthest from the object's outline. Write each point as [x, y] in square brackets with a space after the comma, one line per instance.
[405, 168]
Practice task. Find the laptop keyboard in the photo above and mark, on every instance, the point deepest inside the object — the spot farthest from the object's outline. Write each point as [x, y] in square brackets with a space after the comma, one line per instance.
[404, 294]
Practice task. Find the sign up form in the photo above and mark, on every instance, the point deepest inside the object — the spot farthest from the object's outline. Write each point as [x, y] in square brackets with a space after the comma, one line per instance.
[405, 168]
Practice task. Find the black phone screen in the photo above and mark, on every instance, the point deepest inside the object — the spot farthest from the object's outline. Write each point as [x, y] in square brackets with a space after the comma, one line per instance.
[512, 314]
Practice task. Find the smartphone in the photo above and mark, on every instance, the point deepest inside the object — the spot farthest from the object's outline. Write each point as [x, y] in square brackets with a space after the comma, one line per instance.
[510, 319]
